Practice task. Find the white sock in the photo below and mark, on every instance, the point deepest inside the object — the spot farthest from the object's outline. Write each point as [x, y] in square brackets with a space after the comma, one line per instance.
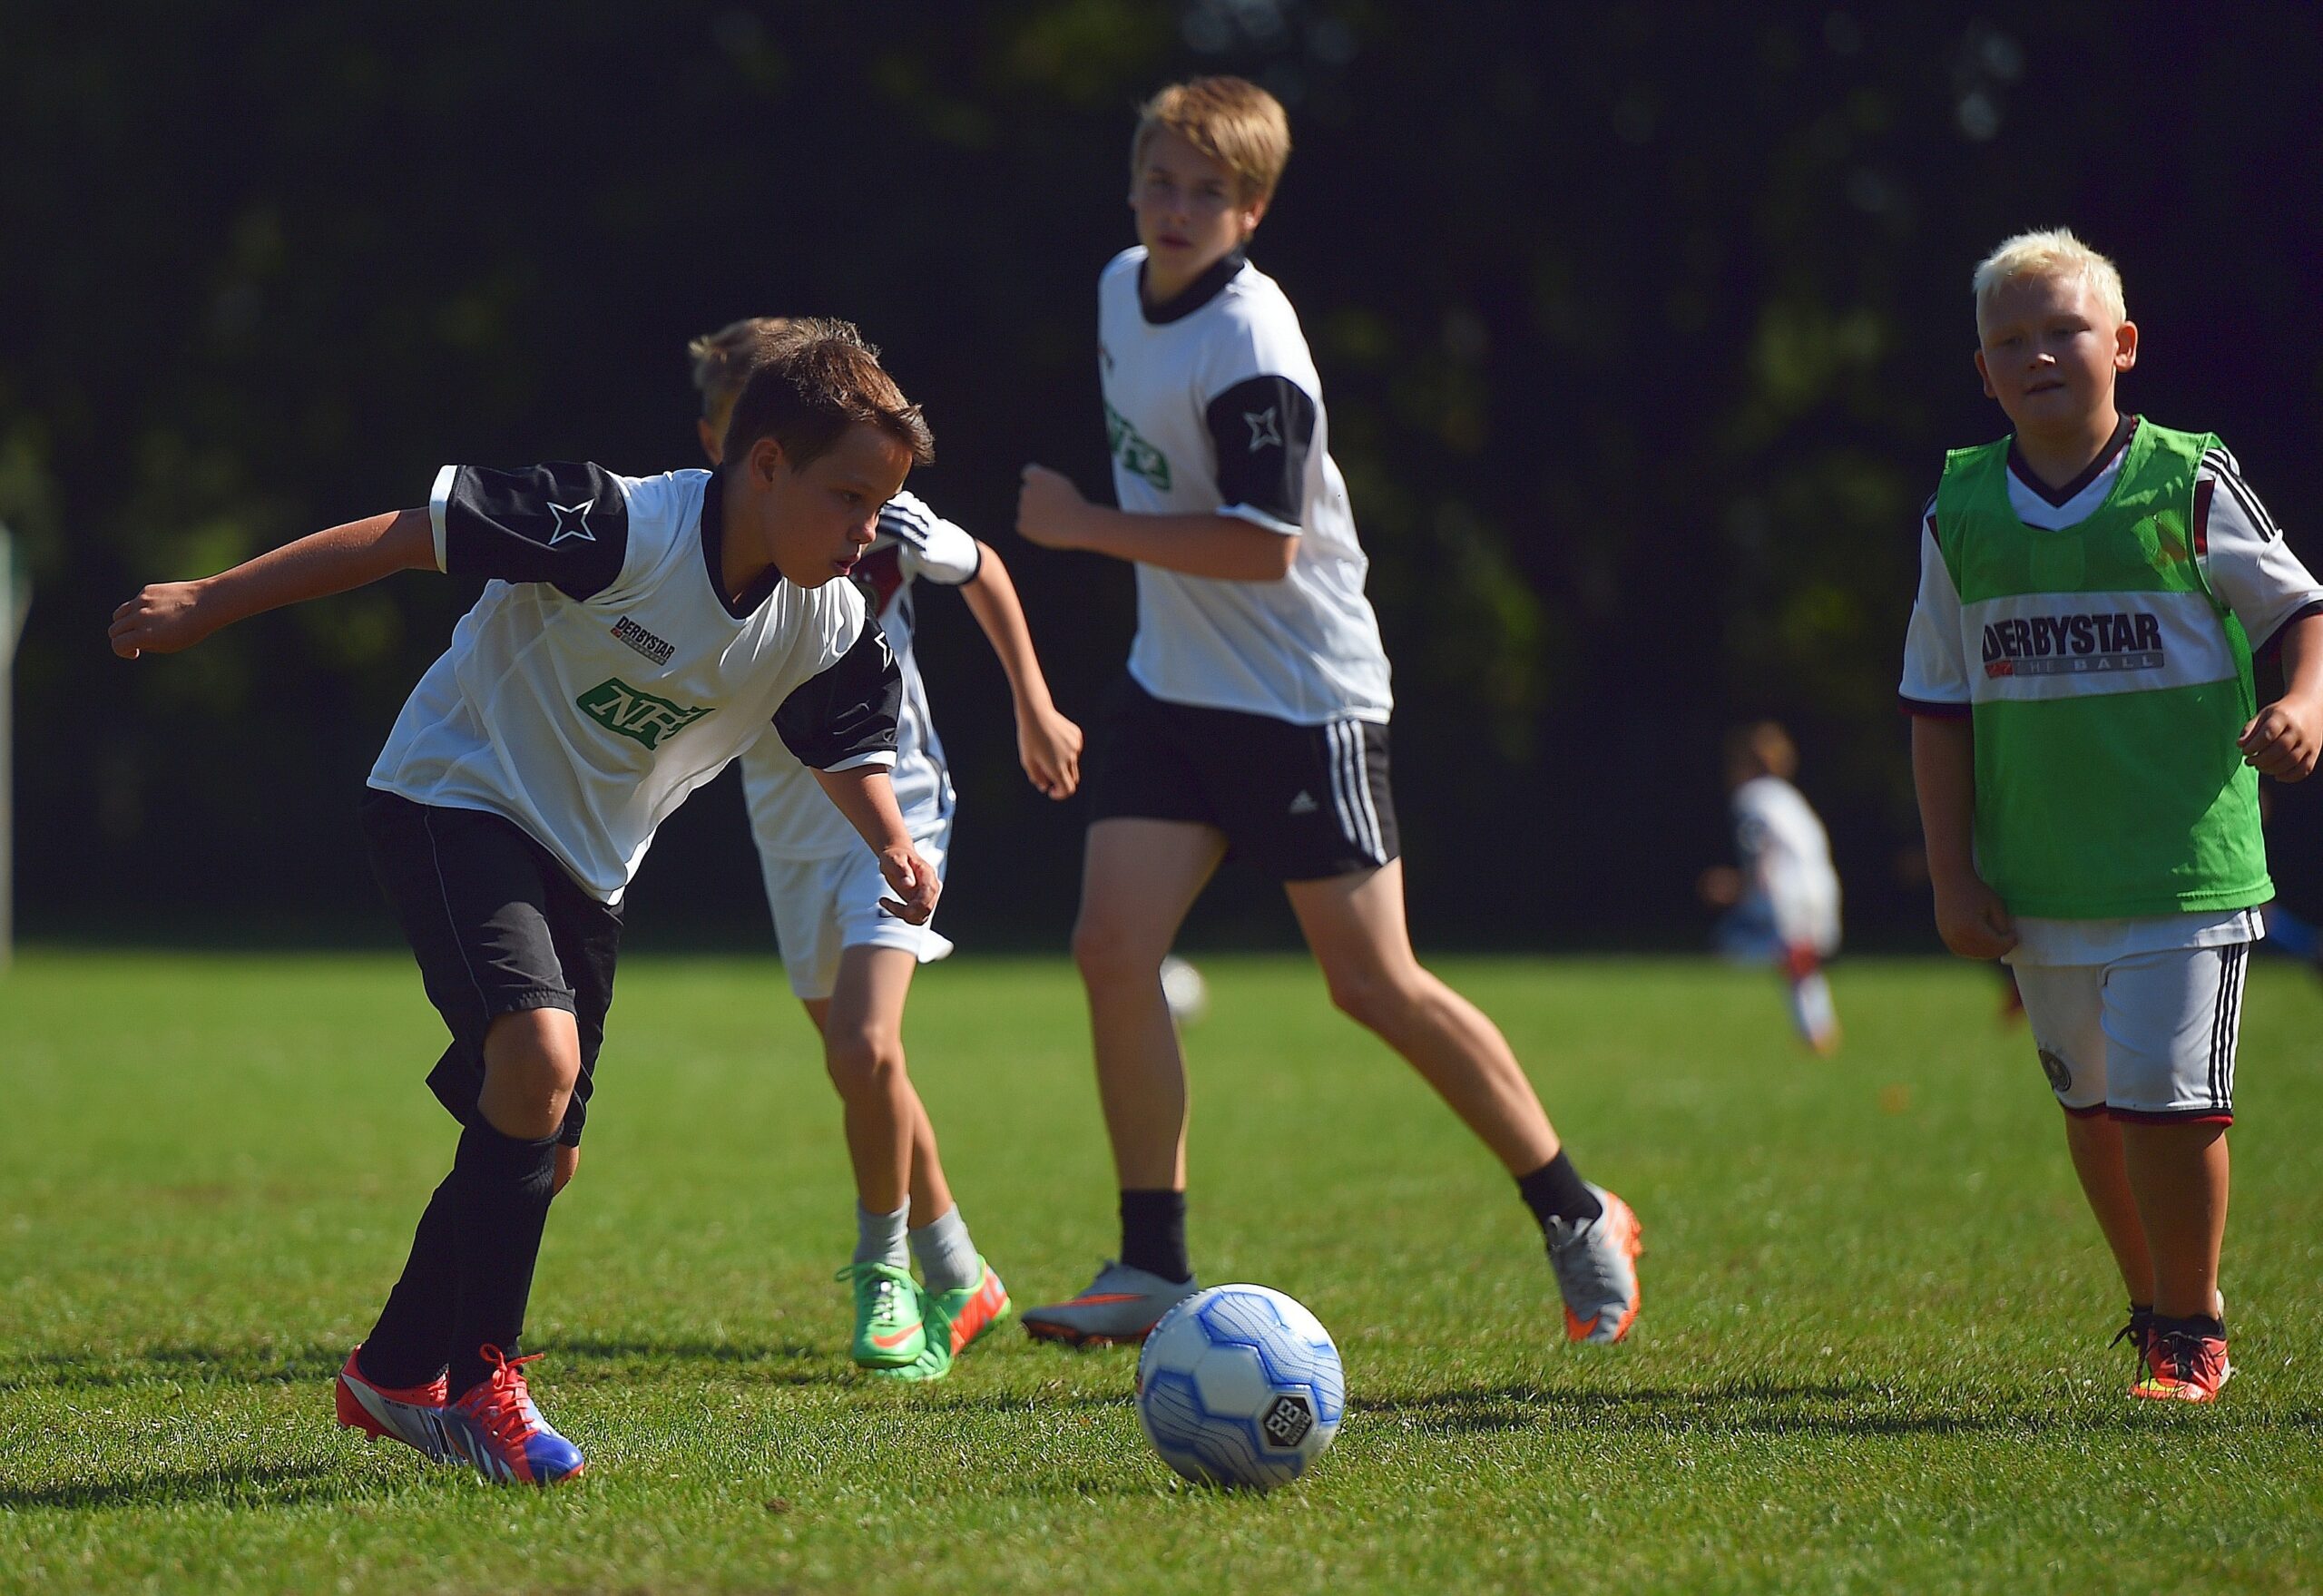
[879, 1237]
[948, 1258]
[1812, 1011]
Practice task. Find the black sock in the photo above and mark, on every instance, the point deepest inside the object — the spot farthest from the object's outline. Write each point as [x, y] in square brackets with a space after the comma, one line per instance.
[1556, 1192]
[1153, 1233]
[2194, 1324]
[412, 1342]
[502, 1190]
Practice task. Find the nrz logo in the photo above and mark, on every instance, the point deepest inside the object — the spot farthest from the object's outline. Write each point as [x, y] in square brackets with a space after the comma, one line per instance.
[2074, 645]
[614, 704]
[1287, 1420]
[644, 642]
[1137, 456]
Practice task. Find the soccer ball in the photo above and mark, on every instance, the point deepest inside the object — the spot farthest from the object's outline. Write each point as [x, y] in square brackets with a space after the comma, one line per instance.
[1239, 1386]
[1184, 990]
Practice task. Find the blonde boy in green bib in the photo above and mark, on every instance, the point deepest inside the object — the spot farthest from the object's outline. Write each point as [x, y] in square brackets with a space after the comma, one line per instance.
[2087, 745]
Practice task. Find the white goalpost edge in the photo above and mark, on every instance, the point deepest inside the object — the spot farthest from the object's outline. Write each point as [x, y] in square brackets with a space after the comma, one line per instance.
[15, 599]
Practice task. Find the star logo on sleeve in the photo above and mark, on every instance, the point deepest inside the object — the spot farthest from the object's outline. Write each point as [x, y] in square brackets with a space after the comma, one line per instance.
[1266, 429]
[577, 526]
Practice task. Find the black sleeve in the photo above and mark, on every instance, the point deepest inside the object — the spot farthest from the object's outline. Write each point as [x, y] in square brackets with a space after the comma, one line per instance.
[1261, 430]
[849, 710]
[563, 523]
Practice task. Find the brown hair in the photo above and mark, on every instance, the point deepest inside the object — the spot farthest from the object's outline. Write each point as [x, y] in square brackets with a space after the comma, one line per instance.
[1232, 120]
[723, 360]
[814, 382]
[1765, 746]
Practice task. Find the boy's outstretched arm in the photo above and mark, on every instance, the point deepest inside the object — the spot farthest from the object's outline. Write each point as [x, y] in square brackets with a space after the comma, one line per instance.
[167, 616]
[1048, 745]
[1052, 512]
[2283, 739]
[1969, 914]
[867, 798]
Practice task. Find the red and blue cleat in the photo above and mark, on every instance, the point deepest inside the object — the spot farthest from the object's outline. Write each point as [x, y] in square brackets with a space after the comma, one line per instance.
[412, 1414]
[496, 1428]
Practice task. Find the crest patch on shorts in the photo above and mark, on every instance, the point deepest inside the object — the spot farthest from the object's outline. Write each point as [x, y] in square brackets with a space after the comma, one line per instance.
[2059, 1072]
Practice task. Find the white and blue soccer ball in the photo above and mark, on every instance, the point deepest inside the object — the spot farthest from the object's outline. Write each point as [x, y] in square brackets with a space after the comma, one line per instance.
[1240, 1386]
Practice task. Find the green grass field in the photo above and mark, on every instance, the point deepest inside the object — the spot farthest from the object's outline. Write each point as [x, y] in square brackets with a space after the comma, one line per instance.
[1872, 1356]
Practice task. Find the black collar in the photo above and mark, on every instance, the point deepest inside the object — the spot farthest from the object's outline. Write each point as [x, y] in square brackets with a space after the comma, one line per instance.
[1194, 295]
[2059, 497]
[713, 554]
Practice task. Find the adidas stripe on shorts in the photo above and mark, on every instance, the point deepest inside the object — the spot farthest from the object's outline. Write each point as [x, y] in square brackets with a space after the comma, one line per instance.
[1301, 803]
[2150, 1037]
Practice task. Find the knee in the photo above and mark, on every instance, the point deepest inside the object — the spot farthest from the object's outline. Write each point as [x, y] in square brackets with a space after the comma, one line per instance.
[539, 1048]
[1378, 1000]
[860, 1059]
[1109, 956]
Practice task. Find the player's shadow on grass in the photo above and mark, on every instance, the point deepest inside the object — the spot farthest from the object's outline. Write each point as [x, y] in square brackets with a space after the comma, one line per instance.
[584, 1360]
[785, 1363]
[234, 1365]
[246, 1487]
[1757, 1407]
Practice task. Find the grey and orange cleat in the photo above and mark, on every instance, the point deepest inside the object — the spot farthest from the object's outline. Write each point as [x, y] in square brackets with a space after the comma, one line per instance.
[1115, 1309]
[1596, 1268]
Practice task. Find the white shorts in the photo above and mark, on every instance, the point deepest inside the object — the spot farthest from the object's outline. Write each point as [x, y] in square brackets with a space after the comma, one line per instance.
[2149, 1037]
[824, 906]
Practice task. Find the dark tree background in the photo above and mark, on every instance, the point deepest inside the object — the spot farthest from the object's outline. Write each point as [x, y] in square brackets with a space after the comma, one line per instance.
[1642, 327]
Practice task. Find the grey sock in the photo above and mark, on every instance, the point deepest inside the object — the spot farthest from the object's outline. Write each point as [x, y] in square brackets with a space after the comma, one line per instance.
[879, 1237]
[948, 1258]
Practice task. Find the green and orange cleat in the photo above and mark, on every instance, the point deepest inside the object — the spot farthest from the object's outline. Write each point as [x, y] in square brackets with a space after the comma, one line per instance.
[889, 1330]
[962, 1317]
[953, 1321]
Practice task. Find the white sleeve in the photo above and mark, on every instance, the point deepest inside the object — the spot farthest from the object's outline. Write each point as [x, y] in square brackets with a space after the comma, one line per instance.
[928, 545]
[2244, 556]
[1936, 664]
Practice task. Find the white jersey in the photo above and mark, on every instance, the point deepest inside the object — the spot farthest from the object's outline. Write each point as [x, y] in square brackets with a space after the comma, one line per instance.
[2248, 565]
[1213, 406]
[603, 675]
[1787, 859]
[790, 816]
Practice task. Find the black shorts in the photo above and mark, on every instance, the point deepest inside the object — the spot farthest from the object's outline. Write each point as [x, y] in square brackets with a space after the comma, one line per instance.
[1302, 803]
[497, 925]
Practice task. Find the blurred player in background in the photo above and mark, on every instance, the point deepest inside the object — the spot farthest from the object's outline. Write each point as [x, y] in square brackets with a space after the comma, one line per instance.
[2087, 744]
[849, 962]
[1253, 717]
[633, 635]
[1782, 905]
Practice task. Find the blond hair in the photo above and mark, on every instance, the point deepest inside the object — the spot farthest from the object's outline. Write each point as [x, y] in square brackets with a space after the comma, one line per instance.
[1230, 119]
[723, 360]
[2055, 255]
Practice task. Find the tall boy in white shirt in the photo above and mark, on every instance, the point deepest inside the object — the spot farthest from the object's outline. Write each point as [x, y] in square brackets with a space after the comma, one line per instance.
[1254, 715]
